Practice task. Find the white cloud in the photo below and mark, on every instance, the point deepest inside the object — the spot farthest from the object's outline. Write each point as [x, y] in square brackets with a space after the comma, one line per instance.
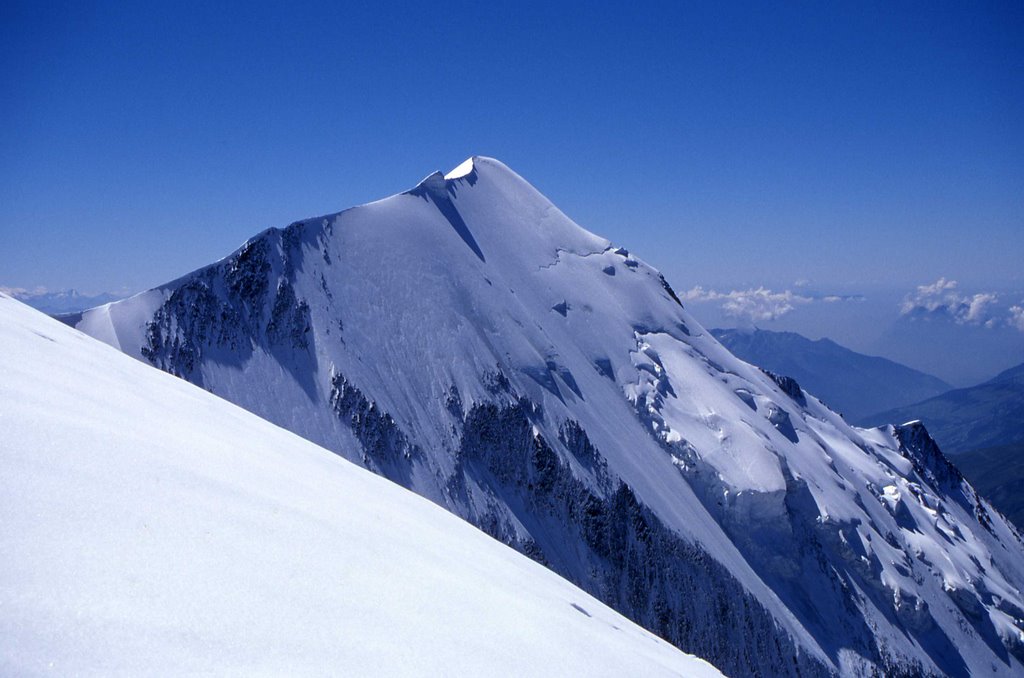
[943, 299]
[1017, 317]
[759, 304]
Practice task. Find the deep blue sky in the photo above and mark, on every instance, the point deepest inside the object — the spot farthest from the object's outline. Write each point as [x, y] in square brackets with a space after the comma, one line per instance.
[844, 143]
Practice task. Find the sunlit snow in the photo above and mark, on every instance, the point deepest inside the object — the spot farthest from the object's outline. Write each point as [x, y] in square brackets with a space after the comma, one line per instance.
[148, 527]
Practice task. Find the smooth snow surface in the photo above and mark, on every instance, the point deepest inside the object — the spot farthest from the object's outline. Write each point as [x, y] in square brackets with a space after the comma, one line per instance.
[148, 527]
[469, 341]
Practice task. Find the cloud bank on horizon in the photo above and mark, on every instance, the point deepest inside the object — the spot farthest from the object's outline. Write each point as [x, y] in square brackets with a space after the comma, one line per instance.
[943, 299]
[761, 304]
[938, 301]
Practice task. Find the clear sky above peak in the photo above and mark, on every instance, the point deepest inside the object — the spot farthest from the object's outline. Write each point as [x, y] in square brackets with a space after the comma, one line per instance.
[739, 145]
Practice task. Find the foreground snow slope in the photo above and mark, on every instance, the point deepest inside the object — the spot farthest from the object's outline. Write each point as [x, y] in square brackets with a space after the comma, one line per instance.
[149, 527]
[469, 341]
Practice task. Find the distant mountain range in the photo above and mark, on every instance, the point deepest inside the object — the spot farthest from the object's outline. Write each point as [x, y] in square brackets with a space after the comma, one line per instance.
[63, 301]
[928, 341]
[964, 419]
[851, 383]
[998, 473]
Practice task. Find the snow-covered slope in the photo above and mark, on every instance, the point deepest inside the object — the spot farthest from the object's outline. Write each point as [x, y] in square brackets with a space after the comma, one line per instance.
[469, 341]
[148, 528]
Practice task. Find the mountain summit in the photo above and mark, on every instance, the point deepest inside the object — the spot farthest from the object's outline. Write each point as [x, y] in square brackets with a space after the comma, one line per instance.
[470, 342]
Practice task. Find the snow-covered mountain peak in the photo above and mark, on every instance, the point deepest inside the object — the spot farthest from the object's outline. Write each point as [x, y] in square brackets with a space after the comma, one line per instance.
[475, 344]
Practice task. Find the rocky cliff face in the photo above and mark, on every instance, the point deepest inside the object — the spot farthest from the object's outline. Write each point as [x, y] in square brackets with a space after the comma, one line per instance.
[477, 346]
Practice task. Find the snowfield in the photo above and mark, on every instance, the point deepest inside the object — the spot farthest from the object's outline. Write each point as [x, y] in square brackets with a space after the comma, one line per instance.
[149, 527]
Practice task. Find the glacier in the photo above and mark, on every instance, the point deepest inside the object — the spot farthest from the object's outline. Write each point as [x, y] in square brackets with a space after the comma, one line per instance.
[469, 341]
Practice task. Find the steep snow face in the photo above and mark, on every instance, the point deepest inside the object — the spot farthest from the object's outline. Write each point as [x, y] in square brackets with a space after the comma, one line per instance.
[469, 341]
[148, 526]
